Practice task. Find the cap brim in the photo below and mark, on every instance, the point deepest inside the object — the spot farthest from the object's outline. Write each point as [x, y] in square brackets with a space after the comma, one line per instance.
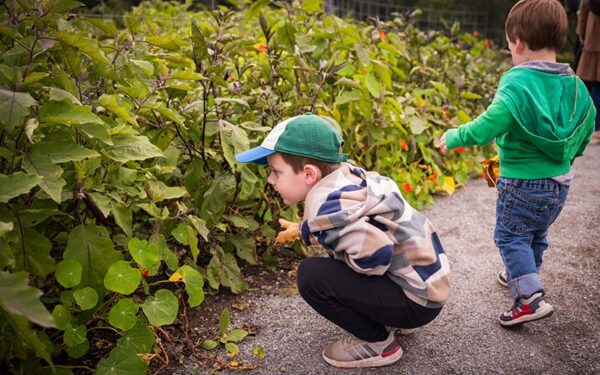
[256, 155]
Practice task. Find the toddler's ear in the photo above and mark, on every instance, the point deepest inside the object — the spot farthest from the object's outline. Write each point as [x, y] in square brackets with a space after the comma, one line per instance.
[312, 174]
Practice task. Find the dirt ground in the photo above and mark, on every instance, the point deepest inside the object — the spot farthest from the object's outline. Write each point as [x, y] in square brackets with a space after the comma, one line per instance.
[465, 338]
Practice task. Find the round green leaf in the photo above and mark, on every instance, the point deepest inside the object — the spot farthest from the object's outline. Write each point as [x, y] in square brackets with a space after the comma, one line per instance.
[123, 314]
[162, 308]
[62, 317]
[210, 344]
[145, 254]
[237, 335]
[122, 278]
[193, 285]
[75, 336]
[68, 273]
[121, 361]
[78, 350]
[86, 298]
[141, 338]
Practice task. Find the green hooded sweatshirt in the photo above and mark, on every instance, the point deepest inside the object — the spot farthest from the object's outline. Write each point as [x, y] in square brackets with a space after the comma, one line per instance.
[541, 121]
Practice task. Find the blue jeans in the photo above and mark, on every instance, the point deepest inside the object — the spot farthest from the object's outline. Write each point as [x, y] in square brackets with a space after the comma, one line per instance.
[525, 209]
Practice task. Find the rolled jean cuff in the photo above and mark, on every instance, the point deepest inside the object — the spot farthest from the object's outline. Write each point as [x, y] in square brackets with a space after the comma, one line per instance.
[525, 286]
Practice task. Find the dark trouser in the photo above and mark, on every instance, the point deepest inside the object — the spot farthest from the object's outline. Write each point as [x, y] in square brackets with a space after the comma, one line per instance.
[362, 305]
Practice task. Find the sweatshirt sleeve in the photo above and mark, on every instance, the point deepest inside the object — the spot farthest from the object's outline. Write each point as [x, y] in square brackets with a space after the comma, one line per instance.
[495, 121]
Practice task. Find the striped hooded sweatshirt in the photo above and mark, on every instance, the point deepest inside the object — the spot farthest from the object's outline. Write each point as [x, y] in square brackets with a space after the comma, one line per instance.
[362, 219]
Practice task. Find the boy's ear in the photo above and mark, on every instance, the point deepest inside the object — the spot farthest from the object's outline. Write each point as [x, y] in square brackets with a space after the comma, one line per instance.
[520, 45]
[312, 174]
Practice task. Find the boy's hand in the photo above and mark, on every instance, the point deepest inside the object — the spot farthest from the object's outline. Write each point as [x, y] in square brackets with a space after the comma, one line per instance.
[289, 234]
[443, 146]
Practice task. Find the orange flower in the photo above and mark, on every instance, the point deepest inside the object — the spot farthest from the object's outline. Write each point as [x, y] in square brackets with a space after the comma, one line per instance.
[475, 33]
[407, 188]
[460, 150]
[145, 273]
[403, 145]
[382, 35]
[488, 43]
[261, 47]
[433, 177]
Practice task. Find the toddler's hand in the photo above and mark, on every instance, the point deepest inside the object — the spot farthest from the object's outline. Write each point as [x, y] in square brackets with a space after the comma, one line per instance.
[443, 146]
[290, 233]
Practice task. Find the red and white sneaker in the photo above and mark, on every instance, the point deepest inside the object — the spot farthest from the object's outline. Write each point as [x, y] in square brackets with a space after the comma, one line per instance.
[526, 310]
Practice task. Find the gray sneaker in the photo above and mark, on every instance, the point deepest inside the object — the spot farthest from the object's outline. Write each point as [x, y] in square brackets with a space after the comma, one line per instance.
[351, 352]
[502, 278]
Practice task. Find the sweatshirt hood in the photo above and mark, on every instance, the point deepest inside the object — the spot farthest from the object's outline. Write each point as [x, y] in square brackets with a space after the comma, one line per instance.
[550, 104]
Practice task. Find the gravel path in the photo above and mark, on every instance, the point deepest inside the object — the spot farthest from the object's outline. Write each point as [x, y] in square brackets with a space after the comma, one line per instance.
[465, 338]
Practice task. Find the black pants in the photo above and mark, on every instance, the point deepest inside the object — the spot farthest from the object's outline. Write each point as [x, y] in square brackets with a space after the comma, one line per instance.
[362, 305]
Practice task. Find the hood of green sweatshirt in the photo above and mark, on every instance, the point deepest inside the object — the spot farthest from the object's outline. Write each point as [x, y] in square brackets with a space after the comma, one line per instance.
[551, 109]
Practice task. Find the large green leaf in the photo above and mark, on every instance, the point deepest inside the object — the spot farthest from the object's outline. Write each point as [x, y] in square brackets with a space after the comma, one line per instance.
[74, 336]
[33, 253]
[162, 308]
[123, 217]
[193, 285]
[158, 191]
[130, 147]
[52, 183]
[199, 45]
[25, 337]
[62, 317]
[63, 151]
[14, 106]
[86, 45]
[122, 278]
[233, 140]
[111, 103]
[123, 314]
[16, 184]
[373, 85]
[145, 254]
[67, 113]
[17, 297]
[92, 247]
[121, 361]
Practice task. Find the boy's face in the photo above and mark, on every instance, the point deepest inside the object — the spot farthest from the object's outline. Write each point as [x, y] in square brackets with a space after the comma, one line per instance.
[290, 185]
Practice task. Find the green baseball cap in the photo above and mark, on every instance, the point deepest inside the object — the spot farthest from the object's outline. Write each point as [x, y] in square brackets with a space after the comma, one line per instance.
[306, 135]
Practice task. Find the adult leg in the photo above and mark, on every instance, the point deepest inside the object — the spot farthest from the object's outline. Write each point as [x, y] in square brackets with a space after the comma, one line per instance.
[362, 305]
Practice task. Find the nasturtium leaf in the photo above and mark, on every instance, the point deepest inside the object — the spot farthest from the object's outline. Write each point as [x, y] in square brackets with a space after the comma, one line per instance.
[62, 317]
[193, 285]
[121, 361]
[145, 254]
[122, 278]
[68, 273]
[162, 308]
[123, 314]
[75, 336]
[86, 298]
[237, 335]
[79, 350]
[139, 337]
[14, 106]
[210, 344]
[16, 184]
[18, 298]
[258, 352]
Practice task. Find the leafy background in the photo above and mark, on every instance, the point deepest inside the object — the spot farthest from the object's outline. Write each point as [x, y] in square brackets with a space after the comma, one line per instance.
[121, 202]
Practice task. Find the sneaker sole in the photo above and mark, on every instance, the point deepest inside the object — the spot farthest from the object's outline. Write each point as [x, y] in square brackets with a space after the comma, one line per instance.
[543, 312]
[368, 362]
[501, 281]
